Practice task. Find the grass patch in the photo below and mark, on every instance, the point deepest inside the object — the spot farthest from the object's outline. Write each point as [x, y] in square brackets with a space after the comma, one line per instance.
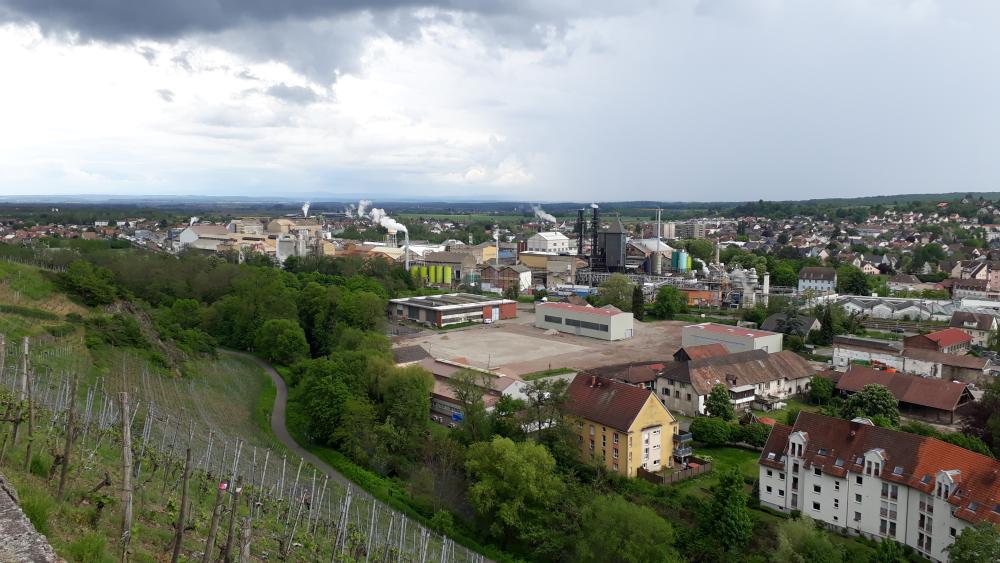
[880, 335]
[781, 415]
[29, 282]
[265, 402]
[29, 312]
[37, 505]
[546, 373]
[90, 548]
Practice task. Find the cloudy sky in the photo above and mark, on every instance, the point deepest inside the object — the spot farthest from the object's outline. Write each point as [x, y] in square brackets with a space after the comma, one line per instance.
[536, 99]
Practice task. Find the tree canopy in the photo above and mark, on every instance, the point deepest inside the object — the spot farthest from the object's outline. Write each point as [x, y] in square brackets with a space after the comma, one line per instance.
[717, 403]
[617, 291]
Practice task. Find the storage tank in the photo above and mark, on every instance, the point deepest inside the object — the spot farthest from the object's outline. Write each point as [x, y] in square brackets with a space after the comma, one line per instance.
[423, 273]
[681, 260]
[438, 274]
[415, 272]
[447, 276]
[432, 270]
[688, 268]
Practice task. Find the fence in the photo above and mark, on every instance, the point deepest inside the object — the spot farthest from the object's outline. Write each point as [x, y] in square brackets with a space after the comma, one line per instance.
[702, 467]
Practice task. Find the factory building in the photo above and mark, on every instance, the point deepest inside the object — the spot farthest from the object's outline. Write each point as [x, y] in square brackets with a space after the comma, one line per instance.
[451, 308]
[606, 323]
[734, 338]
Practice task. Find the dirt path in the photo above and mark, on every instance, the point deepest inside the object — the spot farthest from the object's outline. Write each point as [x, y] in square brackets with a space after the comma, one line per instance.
[281, 430]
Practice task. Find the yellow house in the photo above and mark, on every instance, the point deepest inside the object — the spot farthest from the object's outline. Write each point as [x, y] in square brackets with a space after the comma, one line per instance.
[624, 426]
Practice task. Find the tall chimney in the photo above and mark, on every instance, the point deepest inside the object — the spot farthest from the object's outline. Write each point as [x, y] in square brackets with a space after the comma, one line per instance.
[581, 227]
[594, 228]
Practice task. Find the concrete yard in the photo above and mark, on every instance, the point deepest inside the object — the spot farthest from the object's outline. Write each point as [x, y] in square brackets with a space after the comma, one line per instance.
[516, 347]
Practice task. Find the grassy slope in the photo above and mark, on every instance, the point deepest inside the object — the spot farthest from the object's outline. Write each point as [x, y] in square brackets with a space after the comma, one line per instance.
[229, 395]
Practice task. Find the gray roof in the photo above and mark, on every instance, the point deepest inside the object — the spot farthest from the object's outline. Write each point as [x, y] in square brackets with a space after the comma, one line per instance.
[773, 323]
[817, 273]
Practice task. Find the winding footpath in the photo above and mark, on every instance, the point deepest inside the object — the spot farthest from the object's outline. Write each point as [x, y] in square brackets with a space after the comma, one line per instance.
[281, 430]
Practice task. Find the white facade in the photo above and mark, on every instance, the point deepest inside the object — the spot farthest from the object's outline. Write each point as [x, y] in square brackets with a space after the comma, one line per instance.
[862, 503]
[548, 242]
[584, 321]
[735, 339]
[819, 286]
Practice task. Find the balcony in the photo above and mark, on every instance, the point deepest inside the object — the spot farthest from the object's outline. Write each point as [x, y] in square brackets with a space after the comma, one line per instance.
[683, 451]
[683, 437]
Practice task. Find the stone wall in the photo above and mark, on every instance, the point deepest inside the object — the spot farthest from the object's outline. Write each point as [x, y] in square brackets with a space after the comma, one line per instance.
[18, 539]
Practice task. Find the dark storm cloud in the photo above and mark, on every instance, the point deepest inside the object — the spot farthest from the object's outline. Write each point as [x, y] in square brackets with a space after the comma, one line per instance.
[121, 20]
[292, 94]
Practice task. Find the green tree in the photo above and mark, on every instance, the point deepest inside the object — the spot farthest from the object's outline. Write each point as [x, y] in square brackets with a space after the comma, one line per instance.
[282, 341]
[888, 551]
[638, 303]
[717, 403]
[826, 328]
[976, 544]
[469, 386]
[820, 390]
[711, 431]
[608, 533]
[727, 517]
[93, 284]
[617, 291]
[669, 302]
[853, 281]
[513, 291]
[754, 434]
[514, 489]
[872, 401]
[784, 275]
[800, 541]
[700, 248]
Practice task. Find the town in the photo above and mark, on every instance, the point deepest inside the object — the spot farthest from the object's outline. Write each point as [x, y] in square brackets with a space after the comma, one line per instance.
[847, 369]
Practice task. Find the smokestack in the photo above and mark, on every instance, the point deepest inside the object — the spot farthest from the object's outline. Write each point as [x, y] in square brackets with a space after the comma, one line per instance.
[594, 228]
[580, 226]
[406, 249]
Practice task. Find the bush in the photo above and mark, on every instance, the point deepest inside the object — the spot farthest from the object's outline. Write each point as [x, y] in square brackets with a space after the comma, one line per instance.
[91, 548]
[711, 431]
[754, 434]
[117, 330]
[60, 330]
[443, 522]
[29, 312]
[41, 464]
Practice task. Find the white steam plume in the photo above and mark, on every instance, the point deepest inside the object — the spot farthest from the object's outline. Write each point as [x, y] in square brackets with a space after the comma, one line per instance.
[594, 206]
[305, 209]
[362, 206]
[541, 214]
[379, 217]
[349, 210]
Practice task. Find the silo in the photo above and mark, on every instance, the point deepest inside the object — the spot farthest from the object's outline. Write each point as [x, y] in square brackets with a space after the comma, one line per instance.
[688, 268]
[438, 273]
[447, 275]
[423, 273]
[432, 273]
[415, 272]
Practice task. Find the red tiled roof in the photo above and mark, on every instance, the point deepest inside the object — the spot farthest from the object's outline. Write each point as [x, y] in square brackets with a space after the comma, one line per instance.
[702, 351]
[927, 392]
[610, 402]
[911, 460]
[726, 329]
[607, 311]
[949, 337]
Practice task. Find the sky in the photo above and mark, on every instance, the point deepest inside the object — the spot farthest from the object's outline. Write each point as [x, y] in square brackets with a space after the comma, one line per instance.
[541, 100]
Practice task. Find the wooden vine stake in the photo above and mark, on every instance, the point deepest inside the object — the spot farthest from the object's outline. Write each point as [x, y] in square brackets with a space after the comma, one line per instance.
[213, 528]
[179, 533]
[70, 431]
[126, 475]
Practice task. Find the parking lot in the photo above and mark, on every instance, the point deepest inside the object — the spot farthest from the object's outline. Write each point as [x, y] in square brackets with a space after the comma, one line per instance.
[516, 347]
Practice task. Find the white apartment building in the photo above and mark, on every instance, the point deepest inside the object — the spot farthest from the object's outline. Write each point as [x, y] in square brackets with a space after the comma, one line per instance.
[819, 280]
[550, 241]
[861, 479]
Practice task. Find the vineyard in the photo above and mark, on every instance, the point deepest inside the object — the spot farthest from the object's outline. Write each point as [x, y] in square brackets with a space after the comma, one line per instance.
[116, 457]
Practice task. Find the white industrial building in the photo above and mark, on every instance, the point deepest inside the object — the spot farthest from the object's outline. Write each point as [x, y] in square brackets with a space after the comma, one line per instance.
[861, 479]
[606, 323]
[734, 338]
[550, 241]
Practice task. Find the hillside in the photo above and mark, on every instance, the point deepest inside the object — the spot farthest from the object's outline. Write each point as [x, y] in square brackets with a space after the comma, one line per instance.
[216, 405]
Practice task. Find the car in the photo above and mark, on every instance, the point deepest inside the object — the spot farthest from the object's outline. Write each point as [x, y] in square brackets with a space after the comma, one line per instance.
[898, 330]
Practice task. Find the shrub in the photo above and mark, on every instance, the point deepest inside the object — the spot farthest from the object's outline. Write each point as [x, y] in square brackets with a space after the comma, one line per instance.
[116, 330]
[60, 330]
[41, 464]
[90, 548]
[710, 431]
[443, 522]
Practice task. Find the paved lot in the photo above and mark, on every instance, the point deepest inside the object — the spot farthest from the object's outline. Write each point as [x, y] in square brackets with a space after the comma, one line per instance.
[517, 347]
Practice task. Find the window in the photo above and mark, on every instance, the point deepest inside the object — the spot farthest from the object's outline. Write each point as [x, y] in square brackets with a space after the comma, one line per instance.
[689, 396]
[795, 483]
[554, 320]
[857, 516]
[591, 445]
[817, 489]
[857, 497]
[817, 471]
[858, 479]
[815, 506]
[665, 391]
[591, 429]
[795, 467]
[614, 453]
[614, 466]
[770, 473]
[604, 441]
[781, 492]
[952, 532]
[615, 438]
[677, 394]
[836, 503]
[836, 485]
[892, 529]
[781, 475]
[769, 489]
[883, 525]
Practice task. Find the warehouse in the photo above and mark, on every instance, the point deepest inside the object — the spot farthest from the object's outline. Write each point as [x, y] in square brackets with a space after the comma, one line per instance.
[735, 339]
[606, 323]
[451, 308]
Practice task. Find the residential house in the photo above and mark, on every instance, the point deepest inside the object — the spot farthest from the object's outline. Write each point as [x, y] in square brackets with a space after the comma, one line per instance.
[858, 478]
[817, 279]
[801, 325]
[622, 426]
[870, 269]
[949, 340]
[753, 376]
[972, 288]
[979, 326]
[920, 361]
